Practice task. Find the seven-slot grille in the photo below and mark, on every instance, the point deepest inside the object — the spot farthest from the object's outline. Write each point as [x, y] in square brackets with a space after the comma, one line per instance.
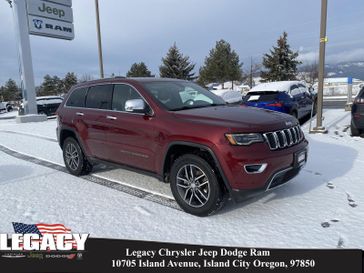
[284, 138]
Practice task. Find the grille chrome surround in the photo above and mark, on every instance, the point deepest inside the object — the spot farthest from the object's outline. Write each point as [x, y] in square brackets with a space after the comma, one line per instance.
[284, 138]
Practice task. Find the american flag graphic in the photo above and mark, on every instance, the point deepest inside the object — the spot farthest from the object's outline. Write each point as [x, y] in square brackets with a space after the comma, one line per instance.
[42, 229]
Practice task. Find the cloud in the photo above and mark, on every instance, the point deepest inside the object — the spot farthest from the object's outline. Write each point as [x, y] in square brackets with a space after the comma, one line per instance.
[353, 55]
[308, 57]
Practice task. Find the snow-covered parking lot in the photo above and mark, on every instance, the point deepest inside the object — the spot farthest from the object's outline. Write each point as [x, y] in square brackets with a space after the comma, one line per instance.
[323, 207]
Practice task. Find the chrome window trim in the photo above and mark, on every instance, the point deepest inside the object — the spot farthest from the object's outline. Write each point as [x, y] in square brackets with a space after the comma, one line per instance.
[109, 110]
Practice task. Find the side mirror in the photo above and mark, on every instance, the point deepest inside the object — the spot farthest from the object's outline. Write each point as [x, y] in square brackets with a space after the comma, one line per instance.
[136, 106]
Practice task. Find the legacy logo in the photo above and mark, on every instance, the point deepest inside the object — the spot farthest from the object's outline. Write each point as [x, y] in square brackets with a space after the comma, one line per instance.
[42, 237]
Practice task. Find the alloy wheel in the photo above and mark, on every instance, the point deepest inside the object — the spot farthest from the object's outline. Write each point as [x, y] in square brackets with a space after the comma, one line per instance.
[72, 156]
[193, 185]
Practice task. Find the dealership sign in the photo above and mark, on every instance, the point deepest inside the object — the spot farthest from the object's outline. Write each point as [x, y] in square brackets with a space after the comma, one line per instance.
[51, 28]
[51, 18]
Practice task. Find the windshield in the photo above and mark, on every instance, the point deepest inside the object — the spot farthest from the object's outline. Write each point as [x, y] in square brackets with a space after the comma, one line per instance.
[179, 95]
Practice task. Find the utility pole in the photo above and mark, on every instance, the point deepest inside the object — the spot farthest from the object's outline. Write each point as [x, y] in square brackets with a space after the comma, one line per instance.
[251, 73]
[101, 64]
[320, 94]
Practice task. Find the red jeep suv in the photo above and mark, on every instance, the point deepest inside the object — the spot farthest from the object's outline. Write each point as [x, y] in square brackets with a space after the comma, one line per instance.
[183, 134]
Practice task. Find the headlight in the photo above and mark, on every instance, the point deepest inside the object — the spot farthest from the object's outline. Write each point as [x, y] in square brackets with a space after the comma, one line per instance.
[244, 139]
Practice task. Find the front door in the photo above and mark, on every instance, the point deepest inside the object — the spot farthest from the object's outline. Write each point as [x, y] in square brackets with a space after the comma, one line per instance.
[132, 136]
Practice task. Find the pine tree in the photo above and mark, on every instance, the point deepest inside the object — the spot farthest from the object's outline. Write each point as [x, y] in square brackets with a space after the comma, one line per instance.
[221, 65]
[281, 63]
[10, 91]
[68, 81]
[139, 70]
[175, 65]
[51, 86]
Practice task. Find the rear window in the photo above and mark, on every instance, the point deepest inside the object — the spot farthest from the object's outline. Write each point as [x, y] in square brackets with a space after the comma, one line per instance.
[261, 96]
[99, 97]
[77, 98]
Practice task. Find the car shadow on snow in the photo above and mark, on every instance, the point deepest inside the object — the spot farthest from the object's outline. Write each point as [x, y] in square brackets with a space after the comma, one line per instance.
[326, 162]
[10, 173]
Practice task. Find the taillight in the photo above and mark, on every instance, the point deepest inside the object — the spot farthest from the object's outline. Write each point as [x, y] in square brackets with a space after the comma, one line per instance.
[276, 104]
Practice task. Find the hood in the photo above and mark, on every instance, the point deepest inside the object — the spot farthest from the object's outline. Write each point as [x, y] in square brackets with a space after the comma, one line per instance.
[238, 118]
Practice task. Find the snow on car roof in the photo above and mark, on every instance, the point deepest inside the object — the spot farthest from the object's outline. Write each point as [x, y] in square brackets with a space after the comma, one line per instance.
[49, 97]
[275, 86]
[228, 95]
[49, 100]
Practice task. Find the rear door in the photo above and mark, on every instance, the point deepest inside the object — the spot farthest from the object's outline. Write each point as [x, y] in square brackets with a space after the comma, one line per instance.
[308, 100]
[97, 108]
[358, 109]
[299, 100]
[132, 136]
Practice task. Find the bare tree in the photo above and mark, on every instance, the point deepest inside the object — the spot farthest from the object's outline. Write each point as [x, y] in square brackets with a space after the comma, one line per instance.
[86, 77]
[310, 72]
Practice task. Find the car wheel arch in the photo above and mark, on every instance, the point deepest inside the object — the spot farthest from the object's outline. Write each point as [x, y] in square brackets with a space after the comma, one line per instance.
[69, 132]
[198, 149]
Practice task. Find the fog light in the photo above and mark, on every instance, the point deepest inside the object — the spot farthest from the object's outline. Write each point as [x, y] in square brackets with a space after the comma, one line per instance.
[255, 168]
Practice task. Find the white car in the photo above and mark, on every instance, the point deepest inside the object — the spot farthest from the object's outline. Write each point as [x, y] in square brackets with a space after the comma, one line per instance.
[2, 106]
[228, 95]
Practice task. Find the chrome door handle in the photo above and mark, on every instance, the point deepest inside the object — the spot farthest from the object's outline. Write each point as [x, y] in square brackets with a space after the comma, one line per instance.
[111, 117]
[80, 114]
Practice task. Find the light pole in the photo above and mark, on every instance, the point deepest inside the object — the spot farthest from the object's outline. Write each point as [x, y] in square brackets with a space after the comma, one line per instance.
[101, 64]
[320, 94]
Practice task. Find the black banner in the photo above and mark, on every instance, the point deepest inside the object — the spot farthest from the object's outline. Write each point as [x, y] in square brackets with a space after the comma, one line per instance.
[106, 255]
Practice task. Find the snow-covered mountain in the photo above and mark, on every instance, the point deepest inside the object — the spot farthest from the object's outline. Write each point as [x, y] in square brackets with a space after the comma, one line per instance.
[349, 69]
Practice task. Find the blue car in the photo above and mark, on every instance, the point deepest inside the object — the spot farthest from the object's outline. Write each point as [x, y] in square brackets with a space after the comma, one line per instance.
[290, 97]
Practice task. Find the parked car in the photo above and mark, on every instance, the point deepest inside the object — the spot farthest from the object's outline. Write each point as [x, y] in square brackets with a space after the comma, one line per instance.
[207, 150]
[228, 95]
[9, 106]
[46, 105]
[2, 106]
[357, 114]
[291, 97]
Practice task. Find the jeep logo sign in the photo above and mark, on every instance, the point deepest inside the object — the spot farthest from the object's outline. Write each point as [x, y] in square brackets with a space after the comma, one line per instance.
[50, 10]
[53, 18]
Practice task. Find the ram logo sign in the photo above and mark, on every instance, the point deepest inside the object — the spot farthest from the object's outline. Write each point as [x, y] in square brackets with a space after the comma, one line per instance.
[37, 23]
[50, 28]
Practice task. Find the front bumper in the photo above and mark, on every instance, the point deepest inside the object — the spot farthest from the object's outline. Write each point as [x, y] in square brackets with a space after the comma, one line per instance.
[281, 166]
[278, 179]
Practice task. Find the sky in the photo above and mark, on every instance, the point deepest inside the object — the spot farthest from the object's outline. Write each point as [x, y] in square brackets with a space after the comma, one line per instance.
[143, 30]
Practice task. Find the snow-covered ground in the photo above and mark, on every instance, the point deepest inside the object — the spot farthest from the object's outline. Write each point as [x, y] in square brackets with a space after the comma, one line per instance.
[322, 207]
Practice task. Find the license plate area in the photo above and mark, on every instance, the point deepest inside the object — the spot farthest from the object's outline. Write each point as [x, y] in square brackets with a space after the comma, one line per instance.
[300, 159]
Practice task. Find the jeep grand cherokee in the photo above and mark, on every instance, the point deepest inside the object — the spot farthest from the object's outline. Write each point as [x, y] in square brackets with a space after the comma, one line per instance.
[184, 135]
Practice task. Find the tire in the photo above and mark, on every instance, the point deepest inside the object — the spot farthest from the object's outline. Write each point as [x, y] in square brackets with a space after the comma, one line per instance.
[74, 158]
[354, 131]
[200, 197]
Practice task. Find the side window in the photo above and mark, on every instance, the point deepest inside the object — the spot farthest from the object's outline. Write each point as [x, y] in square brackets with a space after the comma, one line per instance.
[362, 94]
[122, 93]
[295, 90]
[99, 97]
[77, 98]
